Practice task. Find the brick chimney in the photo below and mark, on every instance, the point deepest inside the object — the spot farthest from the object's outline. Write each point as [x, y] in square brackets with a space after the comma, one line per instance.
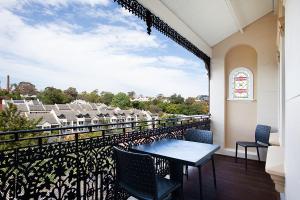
[1, 105]
[8, 84]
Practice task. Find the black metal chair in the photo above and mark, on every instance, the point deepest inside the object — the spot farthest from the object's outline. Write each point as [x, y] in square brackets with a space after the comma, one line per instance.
[202, 136]
[135, 173]
[262, 135]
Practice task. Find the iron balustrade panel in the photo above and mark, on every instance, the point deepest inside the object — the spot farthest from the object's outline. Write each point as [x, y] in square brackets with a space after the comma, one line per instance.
[77, 169]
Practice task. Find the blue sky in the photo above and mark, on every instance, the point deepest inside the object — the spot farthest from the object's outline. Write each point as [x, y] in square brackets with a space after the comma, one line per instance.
[92, 44]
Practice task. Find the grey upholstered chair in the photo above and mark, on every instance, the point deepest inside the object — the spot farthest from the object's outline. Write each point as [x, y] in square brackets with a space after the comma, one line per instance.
[262, 135]
[201, 136]
[135, 173]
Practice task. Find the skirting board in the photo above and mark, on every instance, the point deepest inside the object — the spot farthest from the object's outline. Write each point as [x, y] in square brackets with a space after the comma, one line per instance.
[241, 153]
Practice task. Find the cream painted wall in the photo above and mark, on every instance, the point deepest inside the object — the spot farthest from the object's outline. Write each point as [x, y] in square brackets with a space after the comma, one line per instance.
[292, 99]
[239, 112]
[261, 35]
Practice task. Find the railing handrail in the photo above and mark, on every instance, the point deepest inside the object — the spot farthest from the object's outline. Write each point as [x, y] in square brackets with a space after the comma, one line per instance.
[96, 125]
[105, 129]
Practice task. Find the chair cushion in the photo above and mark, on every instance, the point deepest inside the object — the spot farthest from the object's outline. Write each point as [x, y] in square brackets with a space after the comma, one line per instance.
[249, 144]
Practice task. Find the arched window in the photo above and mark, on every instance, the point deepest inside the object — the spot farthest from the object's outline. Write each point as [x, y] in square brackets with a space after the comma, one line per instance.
[241, 84]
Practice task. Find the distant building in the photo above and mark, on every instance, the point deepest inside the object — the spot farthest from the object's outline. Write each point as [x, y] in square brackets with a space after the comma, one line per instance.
[48, 120]
[202, 98]
[78, 113]
[141, 99]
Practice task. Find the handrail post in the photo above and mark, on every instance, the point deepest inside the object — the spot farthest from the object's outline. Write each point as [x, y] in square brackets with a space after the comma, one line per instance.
[17, 136]
[40, 142]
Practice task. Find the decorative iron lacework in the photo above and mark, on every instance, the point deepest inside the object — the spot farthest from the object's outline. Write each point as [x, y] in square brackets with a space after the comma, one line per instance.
[78, 169]
[151, 20]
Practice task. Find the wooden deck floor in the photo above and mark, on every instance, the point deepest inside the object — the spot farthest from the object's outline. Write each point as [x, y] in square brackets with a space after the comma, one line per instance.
[233, 183]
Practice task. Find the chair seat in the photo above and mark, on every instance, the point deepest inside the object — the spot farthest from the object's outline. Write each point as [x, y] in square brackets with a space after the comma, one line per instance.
[164, 188]
[250, 144]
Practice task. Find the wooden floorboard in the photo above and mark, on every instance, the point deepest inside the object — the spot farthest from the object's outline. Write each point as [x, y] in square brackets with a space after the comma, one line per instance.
[233, 182]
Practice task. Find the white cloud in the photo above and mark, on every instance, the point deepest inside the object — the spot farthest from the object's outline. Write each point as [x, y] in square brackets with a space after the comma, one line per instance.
[20, 3]
[120, 15]
[8, 3]
[53, 54]
[125, 12]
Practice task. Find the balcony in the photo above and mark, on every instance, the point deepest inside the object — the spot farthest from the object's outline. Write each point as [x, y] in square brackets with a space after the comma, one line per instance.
[55, 166]
[245, 38]
[71, 166]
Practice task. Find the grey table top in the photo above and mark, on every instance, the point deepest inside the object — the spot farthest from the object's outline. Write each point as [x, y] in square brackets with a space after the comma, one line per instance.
[191, 153]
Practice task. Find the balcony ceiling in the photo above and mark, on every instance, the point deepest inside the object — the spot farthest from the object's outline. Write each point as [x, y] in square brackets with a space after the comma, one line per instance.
[207, 22]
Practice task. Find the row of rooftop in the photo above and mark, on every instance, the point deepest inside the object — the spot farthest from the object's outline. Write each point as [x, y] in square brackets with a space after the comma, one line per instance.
[76, 113]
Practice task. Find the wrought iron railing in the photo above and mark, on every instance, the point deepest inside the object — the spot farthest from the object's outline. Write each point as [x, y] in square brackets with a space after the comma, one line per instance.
[59, 164]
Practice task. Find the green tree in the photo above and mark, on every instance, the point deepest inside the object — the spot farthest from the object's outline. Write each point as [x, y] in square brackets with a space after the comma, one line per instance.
[160, 96]
[142, 123]
[12, 120]
[92, 97]
[177, 99]
[72, 93]
[197, 108]
[167, 116]
[144, 105]
[163, 106]
[10, 95]
[53, 95]
[136, 104]
[190, 100]
[172, 108]
[106, 97]
[154, 109]
[121, 100]
[26, 88]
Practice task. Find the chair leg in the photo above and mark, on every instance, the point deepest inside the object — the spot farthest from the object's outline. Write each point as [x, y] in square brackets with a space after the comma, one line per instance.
[214, 170]
[257, 149]
[236, 151]
[246, 157]
[187, 172]
[200, 182]
[116, 192]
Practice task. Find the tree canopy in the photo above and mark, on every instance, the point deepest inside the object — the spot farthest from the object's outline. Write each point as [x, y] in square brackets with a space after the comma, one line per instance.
[53, 95]
[106, 97]
[72, 93]
[121, 100]
[92, 97]
[12, 120]
[177, 99]
[175, 104]
[26, 88]
[9, 95]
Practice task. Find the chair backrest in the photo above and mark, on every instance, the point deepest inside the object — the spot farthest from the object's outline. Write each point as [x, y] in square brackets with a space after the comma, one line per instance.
[262, 134]
[136, 173]
[197, 135]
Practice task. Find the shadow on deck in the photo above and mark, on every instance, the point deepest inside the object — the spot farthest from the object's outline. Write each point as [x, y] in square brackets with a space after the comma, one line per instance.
[233, 183]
